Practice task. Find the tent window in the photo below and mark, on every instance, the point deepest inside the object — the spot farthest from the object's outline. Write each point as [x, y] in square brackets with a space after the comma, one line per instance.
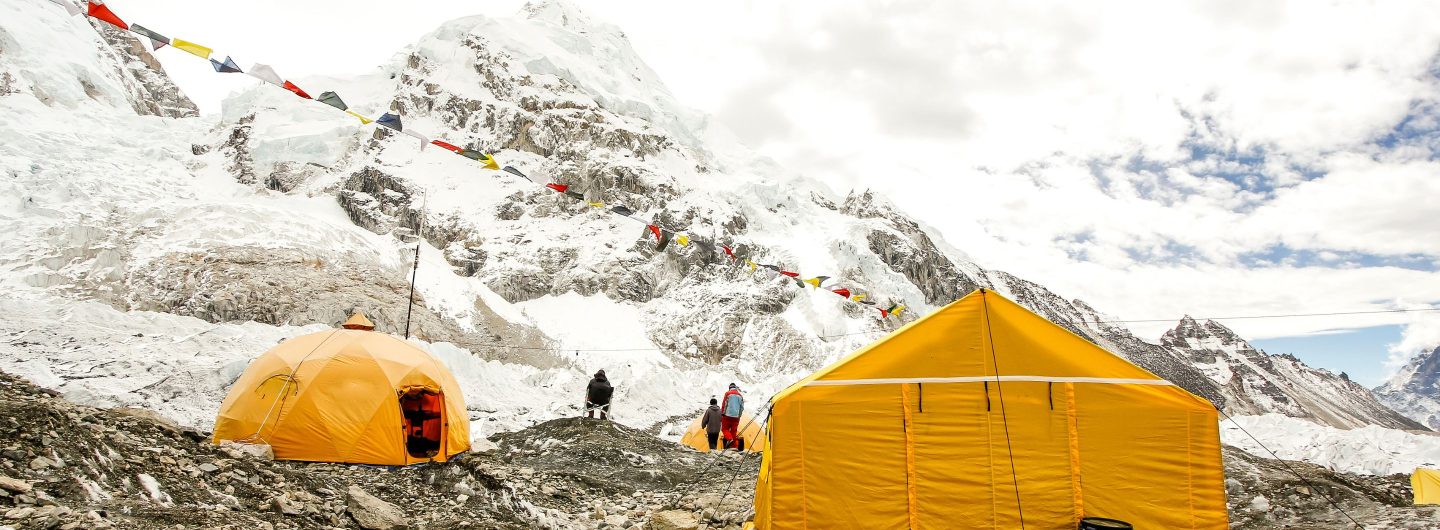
[421, 409]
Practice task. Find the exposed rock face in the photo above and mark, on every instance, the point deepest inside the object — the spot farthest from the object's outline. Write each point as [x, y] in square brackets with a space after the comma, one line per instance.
[1415, 390]
[286, 286]
[150, 91]
[1257, 382]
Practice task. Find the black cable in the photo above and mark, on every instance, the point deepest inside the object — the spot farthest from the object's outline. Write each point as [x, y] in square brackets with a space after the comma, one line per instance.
[1290, 469]
[1004, 420]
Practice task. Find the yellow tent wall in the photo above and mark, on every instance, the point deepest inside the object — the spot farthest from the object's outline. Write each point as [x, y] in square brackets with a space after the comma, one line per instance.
[918, 431]
[333, 396]
[750, 429]
[1426, 483]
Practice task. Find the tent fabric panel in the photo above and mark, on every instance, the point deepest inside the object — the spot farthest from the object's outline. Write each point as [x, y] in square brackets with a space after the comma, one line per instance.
[1035, 346]
[762, 490]
[1426, 485]
[457, 417]
[250, 397]
[1034, 415]
[945, 343]
[343, 398]
[952, 455]
[1179, 481]
[867, 492]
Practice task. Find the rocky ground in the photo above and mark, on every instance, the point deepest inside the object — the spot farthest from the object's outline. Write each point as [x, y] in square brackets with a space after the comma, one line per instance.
[65, 466]
[68, 466]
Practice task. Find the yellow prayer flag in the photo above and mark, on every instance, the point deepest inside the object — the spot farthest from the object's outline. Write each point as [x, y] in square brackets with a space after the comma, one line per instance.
[194, 49]
[597, 204]
[858, 297]
[490, 162]
[363, 120]
[897, 310]
[683, 240]
[751, 264]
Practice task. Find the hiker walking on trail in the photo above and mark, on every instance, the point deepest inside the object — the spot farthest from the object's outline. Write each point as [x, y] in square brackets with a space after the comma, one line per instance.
[731, 407]
[597, 396]
[711, 421]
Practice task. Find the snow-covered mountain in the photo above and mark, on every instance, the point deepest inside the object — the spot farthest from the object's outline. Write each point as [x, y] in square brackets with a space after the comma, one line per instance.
[1257, 382]
[285, 213]
[1415, 389]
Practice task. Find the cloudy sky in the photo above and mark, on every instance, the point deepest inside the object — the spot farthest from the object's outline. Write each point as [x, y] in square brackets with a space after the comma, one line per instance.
[1215, 158]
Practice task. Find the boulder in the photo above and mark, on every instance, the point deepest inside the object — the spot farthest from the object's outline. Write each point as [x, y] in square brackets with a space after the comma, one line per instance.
[239, 450]
[372, 513]
[14, 485]
[674, 520]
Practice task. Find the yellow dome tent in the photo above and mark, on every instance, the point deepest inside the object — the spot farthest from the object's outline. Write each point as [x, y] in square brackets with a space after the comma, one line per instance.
[348, 395]
[1426, 483]
[927, 427]
[750, 429]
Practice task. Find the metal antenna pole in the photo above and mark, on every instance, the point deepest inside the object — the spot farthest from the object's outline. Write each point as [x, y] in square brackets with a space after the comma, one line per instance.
[415, 271]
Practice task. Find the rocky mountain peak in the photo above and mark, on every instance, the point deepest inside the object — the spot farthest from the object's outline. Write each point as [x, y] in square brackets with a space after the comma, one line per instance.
[1209, 334]
[1415, 389]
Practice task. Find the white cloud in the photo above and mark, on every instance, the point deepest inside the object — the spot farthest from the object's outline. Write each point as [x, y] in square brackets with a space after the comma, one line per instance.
[1421, 335]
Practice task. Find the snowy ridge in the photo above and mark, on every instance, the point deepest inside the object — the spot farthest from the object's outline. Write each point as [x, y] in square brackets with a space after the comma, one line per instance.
[1369, 450]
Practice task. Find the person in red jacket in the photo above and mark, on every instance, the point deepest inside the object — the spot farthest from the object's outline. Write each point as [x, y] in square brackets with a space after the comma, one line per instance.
[731, 407]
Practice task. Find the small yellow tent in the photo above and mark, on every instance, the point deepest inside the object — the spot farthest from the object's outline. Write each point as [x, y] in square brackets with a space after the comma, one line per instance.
[1426, 483]
[980, 414]
[348, 395]
[750, 429]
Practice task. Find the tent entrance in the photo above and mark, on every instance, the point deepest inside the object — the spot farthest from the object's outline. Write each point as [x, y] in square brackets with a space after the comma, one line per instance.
[421, 409]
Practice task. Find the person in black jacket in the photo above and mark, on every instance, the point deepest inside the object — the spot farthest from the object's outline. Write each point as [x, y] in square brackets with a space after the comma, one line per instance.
[597, 396]
[711, 421]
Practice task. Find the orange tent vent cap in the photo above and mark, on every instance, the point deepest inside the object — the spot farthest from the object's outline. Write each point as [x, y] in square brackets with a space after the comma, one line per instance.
[358, 321]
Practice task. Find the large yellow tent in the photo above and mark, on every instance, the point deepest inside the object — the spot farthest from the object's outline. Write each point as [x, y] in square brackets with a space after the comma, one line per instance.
[1426, 483]
[348, 395]
[927, 427]
[750, 429]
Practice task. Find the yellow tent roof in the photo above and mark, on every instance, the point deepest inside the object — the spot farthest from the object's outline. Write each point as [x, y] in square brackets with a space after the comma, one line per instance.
[334, 396]
[750, 429]
[1426, 483]
[982, 411]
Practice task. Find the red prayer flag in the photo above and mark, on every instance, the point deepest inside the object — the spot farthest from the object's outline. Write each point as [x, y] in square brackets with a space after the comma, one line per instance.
[445, 146]
[291, 87]
[728, 252]
[884, 313]
[560, 188]
[842, 292]
[790, 274]
[98, 10]
[654, 229]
